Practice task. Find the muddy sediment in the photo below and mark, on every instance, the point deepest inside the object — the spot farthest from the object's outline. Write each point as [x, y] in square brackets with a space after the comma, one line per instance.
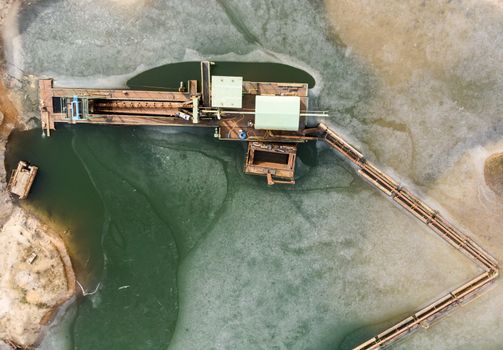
[8, 117]
[439, 78]
[434, 119]
[426, 35]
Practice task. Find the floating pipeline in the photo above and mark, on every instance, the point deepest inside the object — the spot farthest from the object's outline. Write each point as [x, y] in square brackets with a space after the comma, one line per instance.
[434, 221]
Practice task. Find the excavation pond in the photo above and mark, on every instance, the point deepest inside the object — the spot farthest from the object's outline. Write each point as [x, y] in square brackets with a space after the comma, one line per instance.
[177, 246]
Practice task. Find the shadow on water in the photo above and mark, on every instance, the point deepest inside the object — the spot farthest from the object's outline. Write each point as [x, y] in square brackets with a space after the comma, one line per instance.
[169, 76]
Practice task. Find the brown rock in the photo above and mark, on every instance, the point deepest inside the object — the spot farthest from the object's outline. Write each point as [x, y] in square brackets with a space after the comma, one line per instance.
[493, 173]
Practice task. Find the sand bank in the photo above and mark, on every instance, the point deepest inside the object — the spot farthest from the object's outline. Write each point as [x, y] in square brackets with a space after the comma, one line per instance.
[36, 277]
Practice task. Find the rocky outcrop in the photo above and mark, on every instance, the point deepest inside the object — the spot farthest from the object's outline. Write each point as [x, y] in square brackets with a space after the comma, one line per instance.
[493, 173]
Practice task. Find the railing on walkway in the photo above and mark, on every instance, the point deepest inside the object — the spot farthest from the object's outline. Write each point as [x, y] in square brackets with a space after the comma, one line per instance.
[438, 224]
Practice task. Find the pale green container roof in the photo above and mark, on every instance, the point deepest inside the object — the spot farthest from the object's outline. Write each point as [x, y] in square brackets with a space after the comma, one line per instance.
[226, 92]
[277, 112]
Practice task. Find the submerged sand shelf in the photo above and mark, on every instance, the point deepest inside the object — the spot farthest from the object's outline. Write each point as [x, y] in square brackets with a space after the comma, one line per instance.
[36, 276]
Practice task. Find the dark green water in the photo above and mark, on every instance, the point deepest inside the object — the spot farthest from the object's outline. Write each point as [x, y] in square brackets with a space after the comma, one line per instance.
[169, 76]
[64, 193]
[161, 218]
[134, 202]
[165, 219]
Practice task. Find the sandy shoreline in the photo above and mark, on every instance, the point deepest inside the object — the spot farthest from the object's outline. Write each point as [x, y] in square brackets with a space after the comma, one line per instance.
[31, 292]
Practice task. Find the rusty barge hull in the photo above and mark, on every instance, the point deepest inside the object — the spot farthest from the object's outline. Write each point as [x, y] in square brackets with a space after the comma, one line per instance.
[159, 108]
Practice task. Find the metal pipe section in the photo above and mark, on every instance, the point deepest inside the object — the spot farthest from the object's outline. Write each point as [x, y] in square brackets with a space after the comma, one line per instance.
[223, 112]
[438, 224]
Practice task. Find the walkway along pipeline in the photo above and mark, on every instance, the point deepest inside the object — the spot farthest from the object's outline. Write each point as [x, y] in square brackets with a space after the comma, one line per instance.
[438, 224]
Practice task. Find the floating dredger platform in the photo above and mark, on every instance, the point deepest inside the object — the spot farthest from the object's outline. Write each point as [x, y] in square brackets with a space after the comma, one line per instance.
[271, 118]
